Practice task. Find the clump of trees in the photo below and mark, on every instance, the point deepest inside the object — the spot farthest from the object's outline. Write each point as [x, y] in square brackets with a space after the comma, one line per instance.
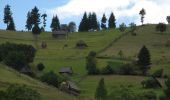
[51, 78]
[161, 27]
[19, 92]
[17, 56]
[8, 19]
[88, 22]
[55, 24]
[151, 82]
[122, 27]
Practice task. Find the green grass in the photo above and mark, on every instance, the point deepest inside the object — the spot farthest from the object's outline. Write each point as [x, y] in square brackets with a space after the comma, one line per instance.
[154, 41]
[9, 76]
[90, 83]
[55, 56]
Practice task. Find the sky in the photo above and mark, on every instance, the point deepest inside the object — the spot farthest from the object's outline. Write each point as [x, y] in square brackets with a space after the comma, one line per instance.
[126, 11]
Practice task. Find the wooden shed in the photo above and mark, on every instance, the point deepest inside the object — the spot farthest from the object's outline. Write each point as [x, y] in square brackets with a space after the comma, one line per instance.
[66, 70]
[60, 34]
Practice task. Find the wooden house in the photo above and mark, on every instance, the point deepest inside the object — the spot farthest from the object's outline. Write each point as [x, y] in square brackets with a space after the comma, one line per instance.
[60, 34]
[66, 70]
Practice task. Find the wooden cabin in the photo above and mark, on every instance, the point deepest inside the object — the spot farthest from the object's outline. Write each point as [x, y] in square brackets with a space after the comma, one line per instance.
[60, 34]
[66, 70]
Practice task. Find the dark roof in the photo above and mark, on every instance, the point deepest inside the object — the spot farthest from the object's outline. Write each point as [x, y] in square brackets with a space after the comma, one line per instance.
[73, 85]
[66, 70]
[60, 32]
[26, 70]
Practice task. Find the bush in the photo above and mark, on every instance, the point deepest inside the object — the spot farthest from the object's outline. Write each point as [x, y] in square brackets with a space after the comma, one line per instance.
[18, 92]
[51, 78]
[127, 69]
[161, 27]
[40, 66]
[150, 83]
[107, 70]
[17, 55]
[158, 73]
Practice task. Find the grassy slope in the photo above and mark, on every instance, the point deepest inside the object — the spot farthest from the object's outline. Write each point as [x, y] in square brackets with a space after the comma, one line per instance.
[9, 76]
[55, 57]
[155, 42]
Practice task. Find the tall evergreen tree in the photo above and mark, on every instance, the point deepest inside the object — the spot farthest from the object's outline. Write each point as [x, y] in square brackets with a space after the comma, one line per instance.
[84, 23]
[90, 21]
[167, 90]
[101, 92]
[35, 16]
[44, 20]
[91, 63]
[55, 24]
[103, 22]
[142, 13]
[7, 15]
[8, 19]
[94, 21]
[144, 59]
[28, 21]
[111, 22]
[11, 25]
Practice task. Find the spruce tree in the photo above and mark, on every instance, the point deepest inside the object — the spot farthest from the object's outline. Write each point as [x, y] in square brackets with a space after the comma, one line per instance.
[7, 15]
[94, 21]
[101, 92]
[167, 90]
[103, 22]
[35, 16]
[11, 25]
[84, 23]
[90, 21]
[144, 59]
[55, 24]
[44, 20]
[36, 30]
[142, 13]
[111, 22]
[91, 63]
[28, 25]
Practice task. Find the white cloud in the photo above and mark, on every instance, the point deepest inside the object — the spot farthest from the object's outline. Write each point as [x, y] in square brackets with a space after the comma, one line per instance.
[156, 10]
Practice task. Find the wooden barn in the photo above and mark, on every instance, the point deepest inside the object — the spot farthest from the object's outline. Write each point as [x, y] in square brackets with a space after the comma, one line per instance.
[60, 34]
[66, 70]
[70, 87]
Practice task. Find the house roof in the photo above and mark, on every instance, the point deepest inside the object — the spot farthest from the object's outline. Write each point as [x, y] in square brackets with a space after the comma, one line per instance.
[25, 70]
[59, 32]
[66, 70]
[72, 85]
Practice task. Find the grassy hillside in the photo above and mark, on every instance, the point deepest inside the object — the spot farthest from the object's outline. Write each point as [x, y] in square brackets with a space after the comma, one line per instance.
[9, 76]
[56, 56]
[154, 41]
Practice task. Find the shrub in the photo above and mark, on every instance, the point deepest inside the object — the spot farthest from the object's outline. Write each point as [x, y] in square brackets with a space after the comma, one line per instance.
[107, 70]
[150, 83]
[158, 73]
[127, 69]
[18, 92]
[161, 27]
[50, 78]
[40, 66]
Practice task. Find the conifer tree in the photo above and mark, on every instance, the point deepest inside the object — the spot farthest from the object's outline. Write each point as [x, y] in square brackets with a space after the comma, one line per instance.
[144, 59]
[44, 20]
[8, 19]
[84, 23]
[167, 90]
[94, 21]
[111, 22]
[55, 24]
[103, 22]
[28, 25]
[11, 25]
[35, 16]
[101, 92]
[142, 13]
[7, 15]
